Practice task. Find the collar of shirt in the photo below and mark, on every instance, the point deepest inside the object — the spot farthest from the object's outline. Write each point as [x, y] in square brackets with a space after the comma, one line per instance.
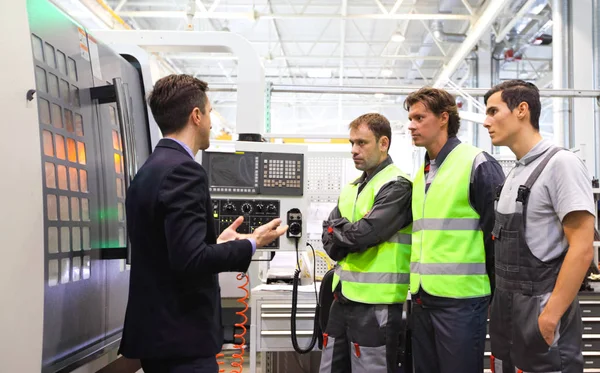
[539, 149]
[452, 143]
[363, 178]
[187, 148]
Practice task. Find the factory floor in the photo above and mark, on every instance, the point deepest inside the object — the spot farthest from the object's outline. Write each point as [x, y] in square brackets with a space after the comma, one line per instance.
[228, 360]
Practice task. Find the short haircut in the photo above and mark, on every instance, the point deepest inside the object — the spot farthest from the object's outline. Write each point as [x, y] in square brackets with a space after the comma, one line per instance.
[377, 123]
[516, 91]
[437, 101]
[173, 99]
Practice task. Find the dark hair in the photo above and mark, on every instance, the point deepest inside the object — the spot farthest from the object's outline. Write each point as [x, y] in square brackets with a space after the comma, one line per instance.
[516, 91]
[377, 123]
[437, 101]
[173, 99]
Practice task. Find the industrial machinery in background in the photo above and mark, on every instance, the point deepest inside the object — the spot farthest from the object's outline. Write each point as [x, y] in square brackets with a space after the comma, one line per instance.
[94, 133]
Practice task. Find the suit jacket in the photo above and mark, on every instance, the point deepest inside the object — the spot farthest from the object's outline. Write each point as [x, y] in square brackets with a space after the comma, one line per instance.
[174, 306]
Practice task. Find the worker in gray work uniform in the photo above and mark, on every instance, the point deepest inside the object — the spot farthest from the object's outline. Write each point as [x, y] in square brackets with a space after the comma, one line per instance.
[543, 236]
[368, 233]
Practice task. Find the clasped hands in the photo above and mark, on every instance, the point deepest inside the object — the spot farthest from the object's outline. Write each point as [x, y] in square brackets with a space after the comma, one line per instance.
[263, 235]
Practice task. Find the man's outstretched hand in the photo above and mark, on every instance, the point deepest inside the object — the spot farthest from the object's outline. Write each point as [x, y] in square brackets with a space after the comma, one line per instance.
[267, 233]
[230, 233]
[263, 235]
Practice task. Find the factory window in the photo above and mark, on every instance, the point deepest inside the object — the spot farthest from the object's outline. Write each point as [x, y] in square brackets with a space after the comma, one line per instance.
[57, 116]
[86, 238]
[122, 237]
[52, 240]
[73, 179]
[78, 125]
[120, 188]
[72, 150]
[62, 177]
[69, 121]
[53, 85]
[81, 152]
[76, 268]
[44, 108]
[72, 69]
[65, 270]
[120, 211]
[50, 175]
[115, 140]
[85, 209]
[76, 239]
[61, 61]
[118, 168]
[52, 272]
[86, 268]
[38, 51]
[64, 91]
[65, 239]
[113, 115]
[64, 208]
[83, 181]
[51, 206]
[50, 58]
[40, 79]
[60, 146]
[48, 146]
[76, 99]
[75, 209]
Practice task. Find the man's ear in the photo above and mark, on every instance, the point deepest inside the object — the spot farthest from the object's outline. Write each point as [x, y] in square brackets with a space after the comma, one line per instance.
[384, 143]
[522, 110]
[445, 118]
[196, 116]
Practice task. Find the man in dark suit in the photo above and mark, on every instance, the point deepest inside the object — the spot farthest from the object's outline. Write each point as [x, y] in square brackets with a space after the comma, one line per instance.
[173, 318]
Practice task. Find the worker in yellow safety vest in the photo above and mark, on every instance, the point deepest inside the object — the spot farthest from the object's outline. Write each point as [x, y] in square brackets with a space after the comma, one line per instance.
[369, 234]
[452, 263]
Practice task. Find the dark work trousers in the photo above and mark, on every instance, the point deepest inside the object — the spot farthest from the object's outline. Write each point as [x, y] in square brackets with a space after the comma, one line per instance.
[362, 338]
[181, 365]
[524, 284]
[448, 335]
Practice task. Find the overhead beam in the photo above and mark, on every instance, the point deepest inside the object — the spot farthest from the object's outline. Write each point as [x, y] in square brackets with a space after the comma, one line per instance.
[343, 40]
[396, 6]
[258, 15]
[222, 57]
[468, 6]
[482, 25]
[524, 9]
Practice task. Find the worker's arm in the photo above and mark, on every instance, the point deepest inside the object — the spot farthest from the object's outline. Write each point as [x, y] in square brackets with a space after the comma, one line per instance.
[487, 176]
[335, 252]
[391, 212]
[573, 202]
[579, 230]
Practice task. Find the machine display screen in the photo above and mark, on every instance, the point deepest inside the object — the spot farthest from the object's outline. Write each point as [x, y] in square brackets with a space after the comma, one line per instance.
[232, 172]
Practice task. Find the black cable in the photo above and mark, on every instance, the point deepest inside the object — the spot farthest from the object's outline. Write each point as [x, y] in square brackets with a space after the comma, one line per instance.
[314, 272]
[313, 338]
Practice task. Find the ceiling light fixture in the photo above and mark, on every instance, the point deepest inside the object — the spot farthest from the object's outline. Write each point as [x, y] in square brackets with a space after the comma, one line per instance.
[398, 38]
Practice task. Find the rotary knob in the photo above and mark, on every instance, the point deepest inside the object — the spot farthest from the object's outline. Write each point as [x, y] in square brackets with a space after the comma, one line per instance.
[271, 209]
[229, 207]
[246, 208]
[260, 207]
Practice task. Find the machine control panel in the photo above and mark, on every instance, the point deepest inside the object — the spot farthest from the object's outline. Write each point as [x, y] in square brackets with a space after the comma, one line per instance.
[274, 174]
[282, 174]
[255, 213]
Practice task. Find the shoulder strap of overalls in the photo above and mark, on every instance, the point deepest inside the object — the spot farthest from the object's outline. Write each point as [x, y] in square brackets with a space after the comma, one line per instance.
[525, 190]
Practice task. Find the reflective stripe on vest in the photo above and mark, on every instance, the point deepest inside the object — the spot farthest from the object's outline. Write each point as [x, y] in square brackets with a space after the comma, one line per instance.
[448, 252]
[380, 274]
